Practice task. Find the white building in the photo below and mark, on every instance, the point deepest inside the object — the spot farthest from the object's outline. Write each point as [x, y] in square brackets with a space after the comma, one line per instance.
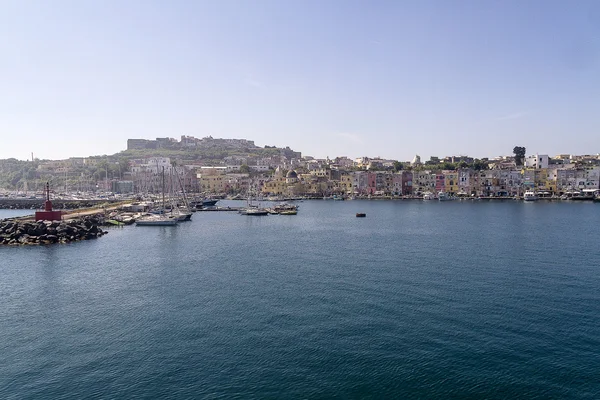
[537, 161]
[259, 168]
[152, 165]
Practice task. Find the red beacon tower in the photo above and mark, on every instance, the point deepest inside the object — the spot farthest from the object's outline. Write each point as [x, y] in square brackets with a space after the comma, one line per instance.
[48, 214]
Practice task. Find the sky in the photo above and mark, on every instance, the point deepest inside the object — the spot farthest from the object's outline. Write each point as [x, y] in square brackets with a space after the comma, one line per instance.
[325, 77]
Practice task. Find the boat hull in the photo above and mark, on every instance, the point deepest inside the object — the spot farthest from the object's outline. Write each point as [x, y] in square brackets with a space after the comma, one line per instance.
[157, 223]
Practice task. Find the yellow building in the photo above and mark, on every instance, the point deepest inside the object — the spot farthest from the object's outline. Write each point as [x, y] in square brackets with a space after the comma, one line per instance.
[541, 180]
[276, 186]
[346, 183]
[212, 180]
[451, 181]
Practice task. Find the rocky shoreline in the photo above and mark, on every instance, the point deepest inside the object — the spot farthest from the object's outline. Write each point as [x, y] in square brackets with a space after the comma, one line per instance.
[16, 233]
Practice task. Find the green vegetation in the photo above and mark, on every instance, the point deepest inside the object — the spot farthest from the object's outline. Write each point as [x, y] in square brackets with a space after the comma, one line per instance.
[14, 173]
[73, 174]
[477, 165]
[209, 156]
[519, 153]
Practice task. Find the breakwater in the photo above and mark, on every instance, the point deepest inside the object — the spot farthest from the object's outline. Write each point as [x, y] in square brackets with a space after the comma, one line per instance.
[14, 232]
[33, 204]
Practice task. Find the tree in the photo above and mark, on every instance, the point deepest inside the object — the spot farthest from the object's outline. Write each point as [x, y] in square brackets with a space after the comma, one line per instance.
[519, 153]
[398, 166]
[479, 165]
[244, 169]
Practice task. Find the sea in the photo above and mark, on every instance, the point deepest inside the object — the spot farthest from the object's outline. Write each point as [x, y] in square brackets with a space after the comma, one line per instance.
[419, 300]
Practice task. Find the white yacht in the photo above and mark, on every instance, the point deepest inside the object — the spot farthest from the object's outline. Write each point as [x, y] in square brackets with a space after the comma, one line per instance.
[428, 196]
[530, 195]
[156, 220]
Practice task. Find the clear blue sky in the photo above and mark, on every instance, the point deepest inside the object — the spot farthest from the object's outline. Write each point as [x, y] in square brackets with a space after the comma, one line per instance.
[376, 78]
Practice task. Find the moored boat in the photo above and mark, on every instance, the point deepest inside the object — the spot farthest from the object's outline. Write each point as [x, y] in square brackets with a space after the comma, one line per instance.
[288, 212]
[155, 220]
[443, 196]
[257, 211]
[203, 203]
[530, 195]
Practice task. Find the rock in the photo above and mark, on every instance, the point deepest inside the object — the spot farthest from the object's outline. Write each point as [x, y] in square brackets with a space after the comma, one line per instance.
[23, 239]
[47, 232]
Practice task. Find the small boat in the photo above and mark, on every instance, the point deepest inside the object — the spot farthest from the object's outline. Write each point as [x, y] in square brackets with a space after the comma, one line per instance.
[288, 212]
[181, 215]
[203, 203]
[209, 202]
[530, 195]
[583, 197]
[255, 211]
[428, 196]
[285, 207]
[443, 196]
[361, 215]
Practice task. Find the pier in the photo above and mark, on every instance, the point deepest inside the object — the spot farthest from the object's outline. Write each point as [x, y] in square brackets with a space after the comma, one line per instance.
[221, 209]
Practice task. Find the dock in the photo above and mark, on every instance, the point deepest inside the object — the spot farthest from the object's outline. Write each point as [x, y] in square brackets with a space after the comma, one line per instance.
[237, 209]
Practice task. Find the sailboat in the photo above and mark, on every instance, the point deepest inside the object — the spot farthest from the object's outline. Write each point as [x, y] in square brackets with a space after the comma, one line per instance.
[158, 219]
[181, 213]
[253, 209]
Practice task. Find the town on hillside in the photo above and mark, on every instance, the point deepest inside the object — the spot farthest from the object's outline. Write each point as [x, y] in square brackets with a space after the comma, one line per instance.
[220, 167]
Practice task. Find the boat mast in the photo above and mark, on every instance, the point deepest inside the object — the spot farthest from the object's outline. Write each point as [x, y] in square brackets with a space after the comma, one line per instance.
[185, 200]
[163, 188]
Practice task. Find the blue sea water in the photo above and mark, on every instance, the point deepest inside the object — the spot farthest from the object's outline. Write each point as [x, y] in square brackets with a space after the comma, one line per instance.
[418, 300]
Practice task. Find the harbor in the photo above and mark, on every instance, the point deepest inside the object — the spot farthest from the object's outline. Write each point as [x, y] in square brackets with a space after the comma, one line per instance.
[331, 283]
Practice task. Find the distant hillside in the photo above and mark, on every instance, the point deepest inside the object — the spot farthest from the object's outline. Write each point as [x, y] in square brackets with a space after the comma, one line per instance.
[207, 149]
[83, 172]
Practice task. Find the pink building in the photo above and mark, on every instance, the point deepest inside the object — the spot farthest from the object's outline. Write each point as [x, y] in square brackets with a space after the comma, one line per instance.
[397, 184]
[440, 183]
[407, 186]
[371, 182]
